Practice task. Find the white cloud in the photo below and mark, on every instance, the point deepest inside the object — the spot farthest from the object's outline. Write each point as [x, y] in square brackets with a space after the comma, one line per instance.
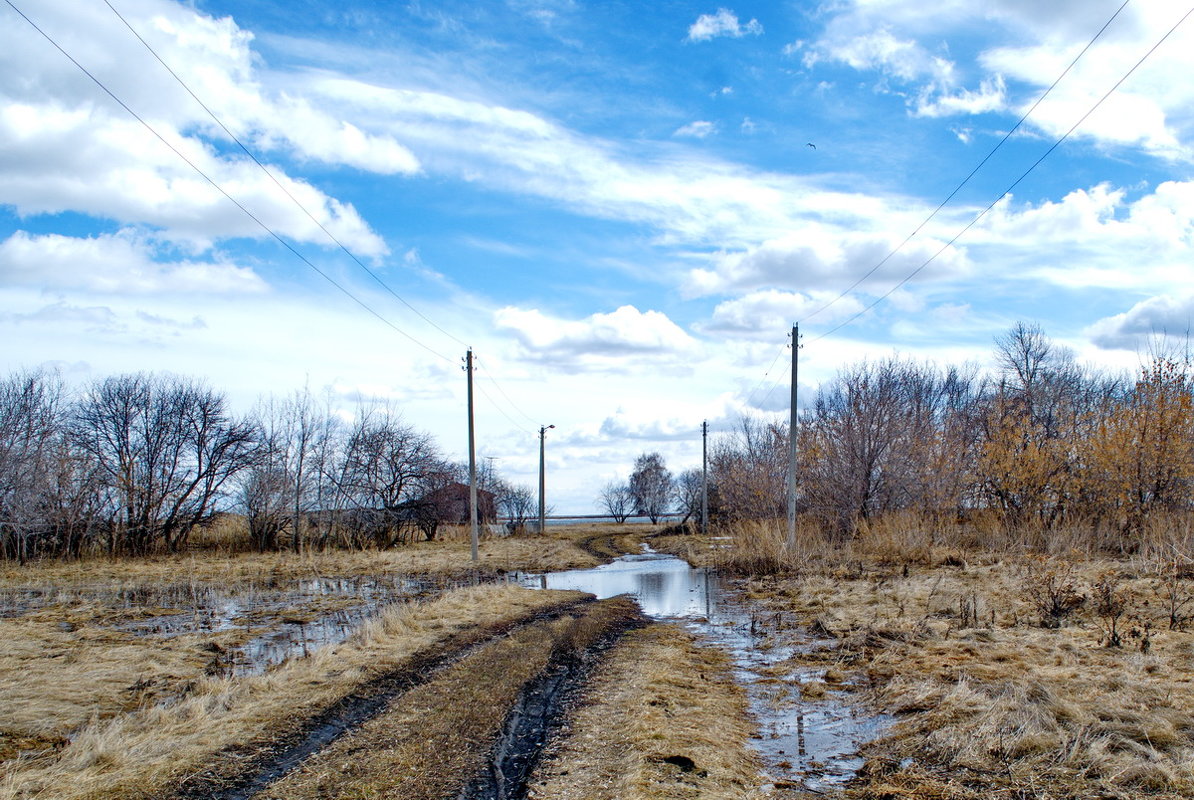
[882, 50]
[118, 263]
[623, 426]
[762, 313]
[689, 196]
[1092, 235]
[723, 23]
[1164, 315]
[822, 257]
[698, 130]
[901, 40]
[65, 146]
[608, 338]
[990, 96]
[90, 319]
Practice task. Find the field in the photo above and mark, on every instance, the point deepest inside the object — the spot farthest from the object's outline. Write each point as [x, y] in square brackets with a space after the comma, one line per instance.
[1005, 675]
[999, 673]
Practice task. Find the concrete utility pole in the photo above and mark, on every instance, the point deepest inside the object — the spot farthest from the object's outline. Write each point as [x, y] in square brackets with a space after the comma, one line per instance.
[472, 456]
[705, 477]
[543, 429]
[792, 443]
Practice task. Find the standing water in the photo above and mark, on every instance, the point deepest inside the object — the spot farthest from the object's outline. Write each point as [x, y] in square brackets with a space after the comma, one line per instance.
[806, 744]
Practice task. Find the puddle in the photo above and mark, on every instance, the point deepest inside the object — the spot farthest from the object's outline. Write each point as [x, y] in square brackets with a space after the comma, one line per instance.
[809, 743]
[282, 619]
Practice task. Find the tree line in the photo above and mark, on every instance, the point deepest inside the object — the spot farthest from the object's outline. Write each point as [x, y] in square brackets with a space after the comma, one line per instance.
[134, 463]
[1035, 443]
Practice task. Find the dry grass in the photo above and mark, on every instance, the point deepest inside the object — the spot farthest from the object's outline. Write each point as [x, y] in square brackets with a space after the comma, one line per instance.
[432, 740]
[987, 701]
[660, 695]
[54, 681]
[450, 557]
[152, 746]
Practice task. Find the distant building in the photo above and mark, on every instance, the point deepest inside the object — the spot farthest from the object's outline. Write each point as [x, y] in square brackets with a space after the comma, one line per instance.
[450, 505]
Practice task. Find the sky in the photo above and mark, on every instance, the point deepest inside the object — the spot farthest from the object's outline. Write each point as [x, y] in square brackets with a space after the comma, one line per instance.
[622, 208]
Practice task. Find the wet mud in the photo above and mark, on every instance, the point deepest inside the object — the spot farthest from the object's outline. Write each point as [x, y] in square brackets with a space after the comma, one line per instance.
[261, 624]
[243, 772]
[539, 714]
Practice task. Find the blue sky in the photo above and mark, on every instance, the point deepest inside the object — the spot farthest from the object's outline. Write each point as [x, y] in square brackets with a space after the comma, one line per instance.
[615, 204]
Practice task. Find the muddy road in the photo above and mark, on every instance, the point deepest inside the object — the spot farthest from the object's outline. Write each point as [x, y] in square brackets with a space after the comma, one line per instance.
[638, 678]
[466, 717]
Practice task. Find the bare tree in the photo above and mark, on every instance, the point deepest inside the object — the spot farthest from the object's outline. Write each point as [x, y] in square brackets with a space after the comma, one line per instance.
[617, 501]
[651, 486]
[164, 448]
[387, 467]
[748, 471]
[31, 420]
[266, 487]
[687, 489]
[517, 503]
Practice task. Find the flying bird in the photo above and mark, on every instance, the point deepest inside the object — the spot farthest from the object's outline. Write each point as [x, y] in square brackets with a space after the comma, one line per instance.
[813, 146]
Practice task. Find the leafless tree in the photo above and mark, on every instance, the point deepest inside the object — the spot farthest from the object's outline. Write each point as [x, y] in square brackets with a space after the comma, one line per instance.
[748, 471]
[387, 467]
[887, 436]
[617, 501]
[31, 422]
[517, 504]
[165, 448]
[651, 486]
[687, 489]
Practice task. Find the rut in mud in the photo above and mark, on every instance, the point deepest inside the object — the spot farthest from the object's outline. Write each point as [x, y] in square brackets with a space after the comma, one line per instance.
[479, 708]
[241, 772]
[534, 719]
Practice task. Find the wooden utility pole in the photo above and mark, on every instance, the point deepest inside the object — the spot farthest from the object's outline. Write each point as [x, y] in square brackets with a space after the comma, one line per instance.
[705, 477]
[472, 456]
[543, 479]
[792, 443]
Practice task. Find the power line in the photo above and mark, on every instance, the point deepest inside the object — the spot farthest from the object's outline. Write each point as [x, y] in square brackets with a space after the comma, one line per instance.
[277, 183]
[974, 171]
[751, 397]
[500, 410]
[498, 386]
[1016, 183]
[220, 189]
[942, 204]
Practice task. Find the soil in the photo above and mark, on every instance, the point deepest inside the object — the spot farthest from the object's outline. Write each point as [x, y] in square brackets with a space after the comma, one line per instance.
[240, 773]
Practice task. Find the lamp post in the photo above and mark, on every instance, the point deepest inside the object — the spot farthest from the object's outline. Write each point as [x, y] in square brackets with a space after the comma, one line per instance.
[542, 479]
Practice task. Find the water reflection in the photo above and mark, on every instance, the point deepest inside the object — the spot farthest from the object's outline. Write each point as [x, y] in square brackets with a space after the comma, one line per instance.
[664, 586]
[813, 743]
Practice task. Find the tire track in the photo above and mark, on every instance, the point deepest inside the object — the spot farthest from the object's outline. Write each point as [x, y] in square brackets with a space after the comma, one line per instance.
[241, 772]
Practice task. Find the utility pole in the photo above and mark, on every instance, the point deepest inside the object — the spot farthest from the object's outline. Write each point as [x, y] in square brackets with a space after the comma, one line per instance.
[792, 443]
[472, 456]
[542, 479]
[705, 477]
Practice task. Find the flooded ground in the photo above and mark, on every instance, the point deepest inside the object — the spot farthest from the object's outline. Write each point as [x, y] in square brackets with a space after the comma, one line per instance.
[277, 619]
[810, 744]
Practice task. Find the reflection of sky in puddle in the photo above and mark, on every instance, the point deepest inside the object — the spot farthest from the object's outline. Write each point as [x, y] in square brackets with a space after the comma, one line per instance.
[819, 739]
[664, 586]
[268, 610]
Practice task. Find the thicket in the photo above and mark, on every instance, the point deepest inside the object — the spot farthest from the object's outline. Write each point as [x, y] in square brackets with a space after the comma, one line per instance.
[1037, 445]
[134, 464]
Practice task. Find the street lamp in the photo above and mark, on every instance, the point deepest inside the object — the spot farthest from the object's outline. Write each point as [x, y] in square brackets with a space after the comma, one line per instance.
[542, 479]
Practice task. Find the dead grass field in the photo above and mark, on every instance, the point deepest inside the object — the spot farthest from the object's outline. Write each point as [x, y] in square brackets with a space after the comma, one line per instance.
[447, 557]
[662, 718]
[992, 695]
[124, 741]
